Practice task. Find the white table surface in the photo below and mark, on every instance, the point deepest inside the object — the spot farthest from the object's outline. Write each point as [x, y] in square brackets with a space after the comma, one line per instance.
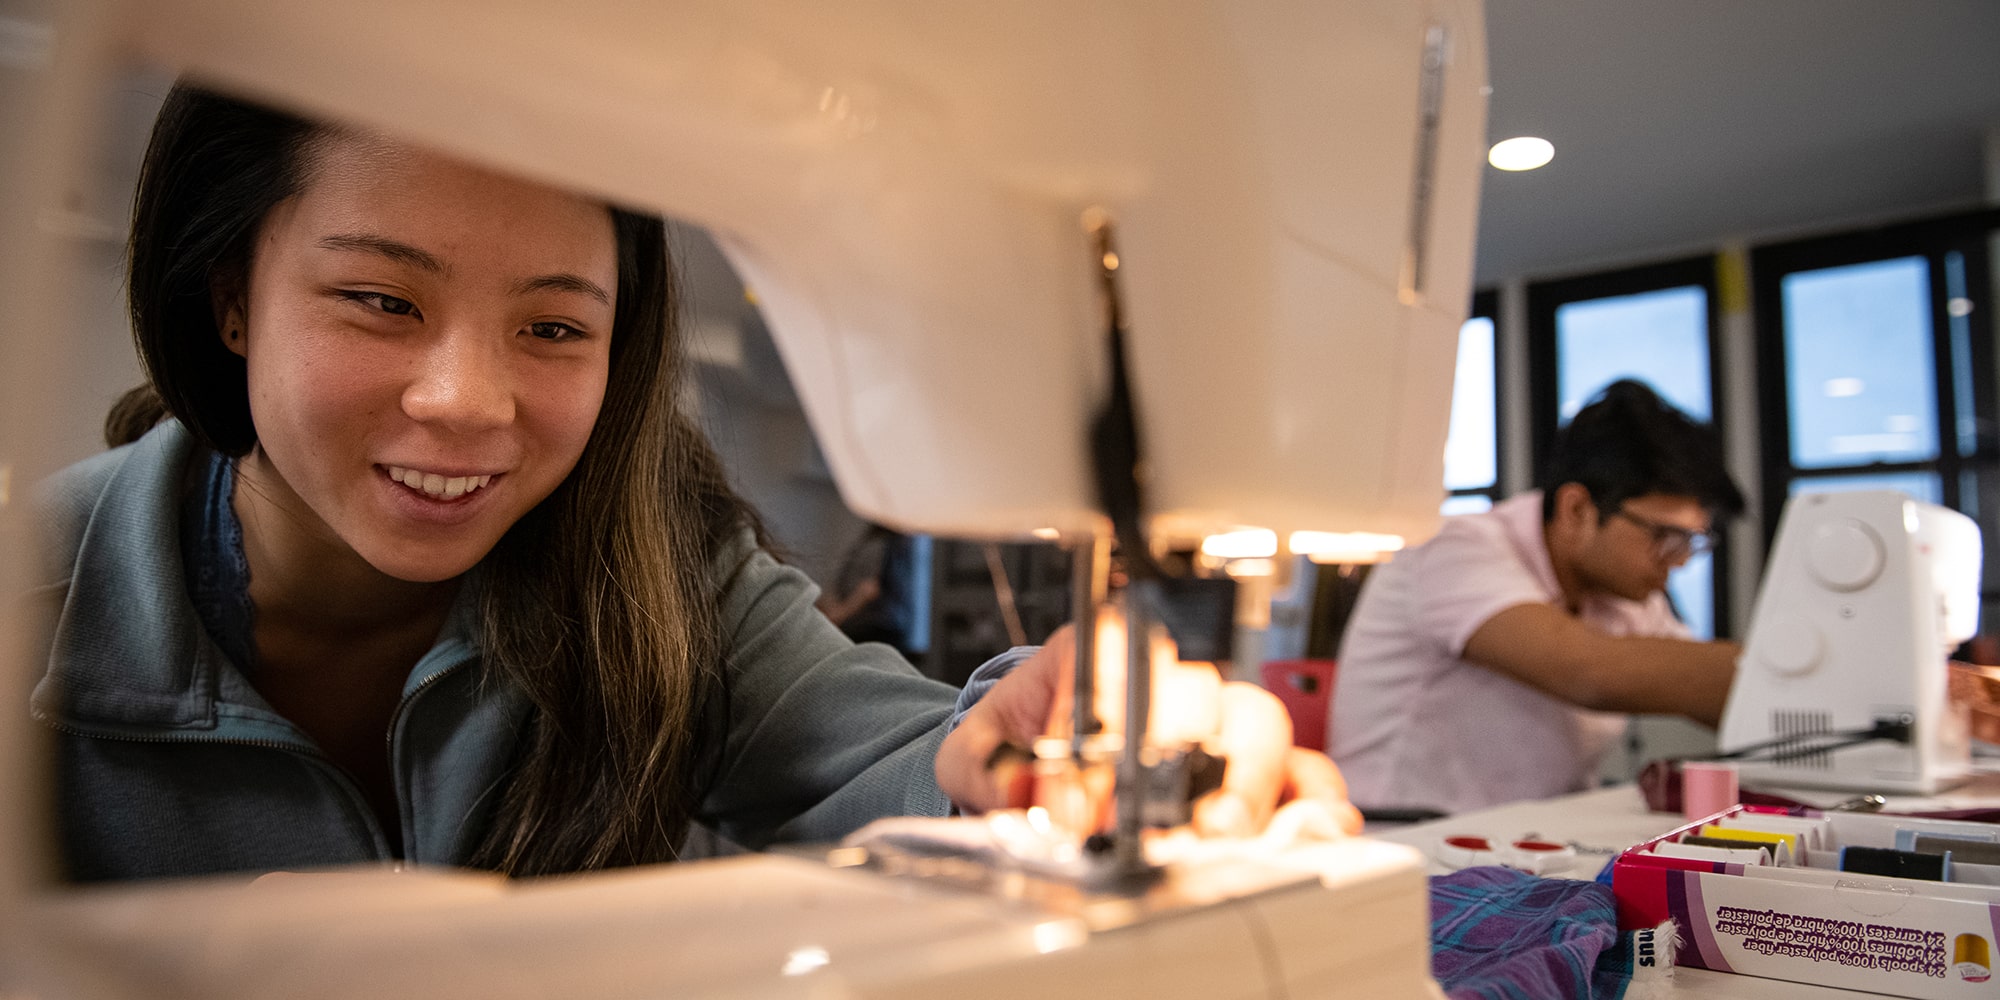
[1602, 823]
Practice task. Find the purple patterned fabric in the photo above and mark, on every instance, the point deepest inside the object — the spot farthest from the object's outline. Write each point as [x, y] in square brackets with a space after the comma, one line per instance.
[1500, 934]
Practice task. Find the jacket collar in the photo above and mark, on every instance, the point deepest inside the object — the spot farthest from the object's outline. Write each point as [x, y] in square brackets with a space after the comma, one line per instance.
[129, 656]
[128, 649]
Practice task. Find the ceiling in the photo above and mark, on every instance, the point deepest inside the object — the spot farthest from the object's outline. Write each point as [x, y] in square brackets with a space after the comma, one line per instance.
[1684, 124]
[1678, 125]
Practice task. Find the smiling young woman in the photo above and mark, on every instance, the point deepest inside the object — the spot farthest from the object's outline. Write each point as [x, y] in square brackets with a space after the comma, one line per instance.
[426, 476]
[408, 552]
[406, 367]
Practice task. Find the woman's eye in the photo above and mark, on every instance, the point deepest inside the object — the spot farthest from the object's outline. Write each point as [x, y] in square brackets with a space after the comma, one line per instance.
[383, 303]
[554, 332]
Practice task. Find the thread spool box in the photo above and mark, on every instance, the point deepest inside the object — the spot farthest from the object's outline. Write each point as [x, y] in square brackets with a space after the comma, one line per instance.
[1813, 923]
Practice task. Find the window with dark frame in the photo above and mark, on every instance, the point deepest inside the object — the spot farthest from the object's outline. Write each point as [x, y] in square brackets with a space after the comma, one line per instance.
[1657, 324]
[1472, 452]
[1877, 370]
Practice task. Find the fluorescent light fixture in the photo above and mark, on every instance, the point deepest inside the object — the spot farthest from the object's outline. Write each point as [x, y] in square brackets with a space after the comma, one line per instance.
[1243, 543]
[1521, 153]
[1345, 546]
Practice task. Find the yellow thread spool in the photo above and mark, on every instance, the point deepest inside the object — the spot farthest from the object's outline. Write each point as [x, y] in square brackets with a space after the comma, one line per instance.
[1972, 958]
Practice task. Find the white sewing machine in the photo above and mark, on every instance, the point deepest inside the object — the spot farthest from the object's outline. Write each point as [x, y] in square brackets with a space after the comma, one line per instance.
[924, 196]
[1866, 596]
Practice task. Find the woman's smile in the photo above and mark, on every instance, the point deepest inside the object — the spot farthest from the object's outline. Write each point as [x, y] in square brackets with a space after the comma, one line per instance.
[438, 486]
[436, 503]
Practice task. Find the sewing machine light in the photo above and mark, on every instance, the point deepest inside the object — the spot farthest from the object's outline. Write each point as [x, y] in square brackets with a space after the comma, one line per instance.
[1329, 547]
[1038, 820]
[804, 960]
[1187, 702]
[1059, 935]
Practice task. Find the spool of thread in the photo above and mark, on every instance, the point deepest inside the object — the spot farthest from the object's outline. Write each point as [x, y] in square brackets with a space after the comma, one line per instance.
[1812, 832]
[1976, 852]
[1906, 837]
[1707, 788]
[1755, 855]
[1972, 958]
[1895, 864]
[1784, 846]
[1781, 848]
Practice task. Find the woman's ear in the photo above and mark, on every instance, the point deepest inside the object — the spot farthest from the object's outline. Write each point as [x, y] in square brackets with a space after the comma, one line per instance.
[226, 298]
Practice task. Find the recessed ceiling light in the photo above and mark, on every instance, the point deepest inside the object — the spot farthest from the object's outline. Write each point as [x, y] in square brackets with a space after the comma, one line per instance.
[1521, 153]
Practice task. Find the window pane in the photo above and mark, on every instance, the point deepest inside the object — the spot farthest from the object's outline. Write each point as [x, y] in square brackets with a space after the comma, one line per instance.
[1660, 338]
[1861, 378]
[1692, 588]
[1959, 310]
[1922, 485]
[1471, 503]
[1469, 452]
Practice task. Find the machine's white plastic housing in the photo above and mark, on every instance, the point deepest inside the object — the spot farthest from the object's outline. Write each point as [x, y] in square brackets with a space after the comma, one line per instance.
[901, 182]
[767, 927]
[1865, 598]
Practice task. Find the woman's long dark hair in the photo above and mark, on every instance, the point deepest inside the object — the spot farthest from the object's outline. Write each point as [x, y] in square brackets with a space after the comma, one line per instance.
[597, 603]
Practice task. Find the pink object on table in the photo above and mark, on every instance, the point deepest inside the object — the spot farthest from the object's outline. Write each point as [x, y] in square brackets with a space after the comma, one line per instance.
[1707, 788]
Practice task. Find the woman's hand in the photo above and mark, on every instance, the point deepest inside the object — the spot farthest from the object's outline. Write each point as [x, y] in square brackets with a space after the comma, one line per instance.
[1015, 712]
[1253, 731]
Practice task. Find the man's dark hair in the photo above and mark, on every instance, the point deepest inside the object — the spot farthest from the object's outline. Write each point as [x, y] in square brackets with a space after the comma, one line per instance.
[1628, 442]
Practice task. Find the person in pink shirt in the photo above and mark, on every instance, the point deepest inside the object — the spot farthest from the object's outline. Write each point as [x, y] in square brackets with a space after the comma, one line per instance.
[1497, 661]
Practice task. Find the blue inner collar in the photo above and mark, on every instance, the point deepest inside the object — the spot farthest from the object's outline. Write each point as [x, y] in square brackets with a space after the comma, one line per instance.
[218, 575]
